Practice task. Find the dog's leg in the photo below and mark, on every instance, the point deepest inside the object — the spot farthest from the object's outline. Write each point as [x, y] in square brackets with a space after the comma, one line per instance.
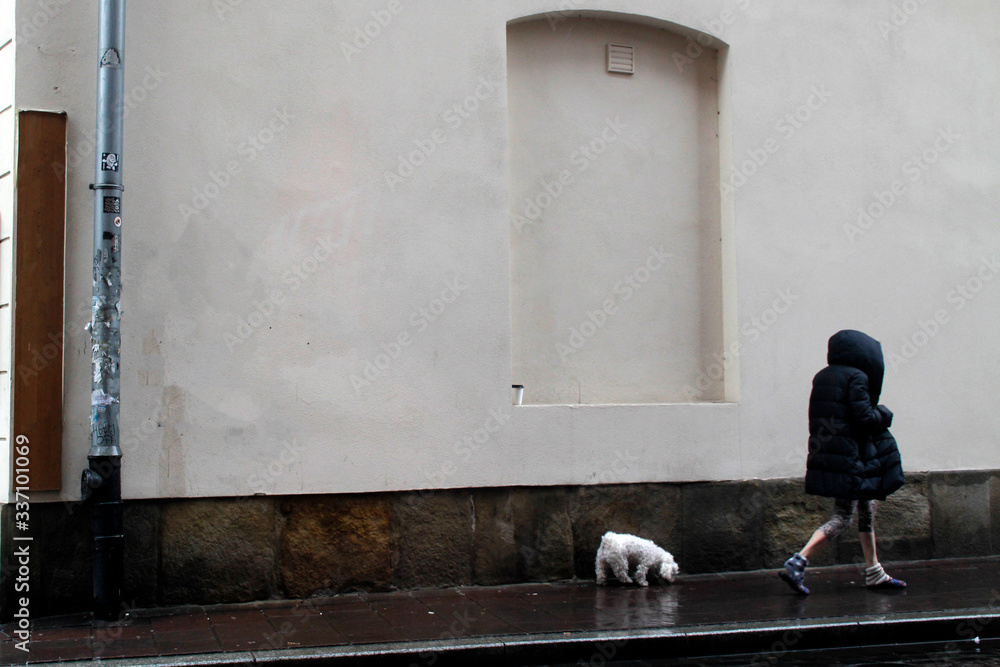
[640, 575]
[619, 565]
[602, 577]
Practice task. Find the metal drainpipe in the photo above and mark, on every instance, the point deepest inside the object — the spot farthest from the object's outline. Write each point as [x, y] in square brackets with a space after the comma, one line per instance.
[101, 484]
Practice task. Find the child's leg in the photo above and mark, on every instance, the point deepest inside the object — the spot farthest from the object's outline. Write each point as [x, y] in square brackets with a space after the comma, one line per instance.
[794, 571]
[866, 531]
[875, 576]
[843, 514]
[815, 543]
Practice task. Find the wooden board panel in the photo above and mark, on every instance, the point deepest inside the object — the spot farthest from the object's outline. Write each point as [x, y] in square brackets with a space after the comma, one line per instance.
[39, 237]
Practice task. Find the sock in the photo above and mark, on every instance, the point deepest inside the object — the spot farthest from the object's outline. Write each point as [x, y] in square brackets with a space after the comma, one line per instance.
[875, 575]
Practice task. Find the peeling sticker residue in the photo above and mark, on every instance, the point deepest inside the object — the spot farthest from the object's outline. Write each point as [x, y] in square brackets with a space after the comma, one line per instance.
[111, 58]
[104, 330]
[99, 398]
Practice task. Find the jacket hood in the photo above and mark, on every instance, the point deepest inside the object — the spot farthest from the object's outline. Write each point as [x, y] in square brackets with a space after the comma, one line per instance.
[861, 351]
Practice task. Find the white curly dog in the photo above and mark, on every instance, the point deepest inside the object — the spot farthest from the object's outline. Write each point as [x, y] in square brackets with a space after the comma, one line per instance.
[623, 552]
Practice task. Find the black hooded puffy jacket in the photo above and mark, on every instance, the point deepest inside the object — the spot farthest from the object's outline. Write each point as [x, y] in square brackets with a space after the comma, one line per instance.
[852, 455]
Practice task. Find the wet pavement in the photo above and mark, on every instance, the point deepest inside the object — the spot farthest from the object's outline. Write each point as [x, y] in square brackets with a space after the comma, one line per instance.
[752, 614]
[915, 655]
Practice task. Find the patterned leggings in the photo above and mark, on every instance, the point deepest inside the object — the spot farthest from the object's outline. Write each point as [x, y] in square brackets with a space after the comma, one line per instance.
[843, 514]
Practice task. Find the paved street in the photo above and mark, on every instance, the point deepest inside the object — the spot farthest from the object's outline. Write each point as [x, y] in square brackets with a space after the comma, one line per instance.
[546, 623]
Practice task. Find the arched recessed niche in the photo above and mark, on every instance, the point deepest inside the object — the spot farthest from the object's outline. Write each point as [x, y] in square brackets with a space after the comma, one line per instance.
[616, 213]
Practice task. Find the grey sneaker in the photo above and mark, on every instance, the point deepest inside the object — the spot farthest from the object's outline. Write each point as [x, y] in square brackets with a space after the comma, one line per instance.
[794, 573]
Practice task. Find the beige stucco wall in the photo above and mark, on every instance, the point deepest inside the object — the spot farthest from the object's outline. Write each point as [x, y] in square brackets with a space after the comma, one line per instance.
[269, 258]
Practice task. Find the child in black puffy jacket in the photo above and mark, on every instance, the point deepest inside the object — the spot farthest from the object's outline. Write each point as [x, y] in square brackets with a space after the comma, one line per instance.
[852, 456]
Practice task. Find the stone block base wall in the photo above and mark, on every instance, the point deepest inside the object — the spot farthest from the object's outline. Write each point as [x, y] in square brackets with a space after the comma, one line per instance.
[216, 550]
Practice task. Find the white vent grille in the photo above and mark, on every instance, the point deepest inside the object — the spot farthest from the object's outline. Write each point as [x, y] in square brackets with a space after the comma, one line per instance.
[621, 58]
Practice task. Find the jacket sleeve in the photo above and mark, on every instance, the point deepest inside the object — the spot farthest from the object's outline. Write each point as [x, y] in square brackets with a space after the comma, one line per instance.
[862, 413]
[886, 414]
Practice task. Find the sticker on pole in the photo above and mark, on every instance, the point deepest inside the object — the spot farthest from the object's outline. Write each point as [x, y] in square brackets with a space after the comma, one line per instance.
[109, 162]
[111, 58]
[99, 399]
[112, 205]
[118, 222]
